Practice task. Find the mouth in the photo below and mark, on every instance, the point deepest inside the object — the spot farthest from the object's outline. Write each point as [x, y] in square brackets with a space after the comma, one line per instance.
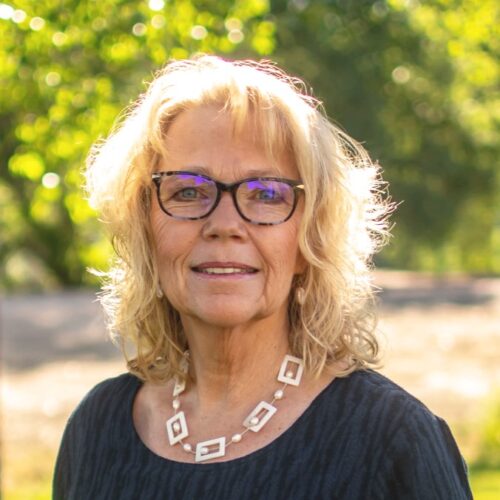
[223, 269]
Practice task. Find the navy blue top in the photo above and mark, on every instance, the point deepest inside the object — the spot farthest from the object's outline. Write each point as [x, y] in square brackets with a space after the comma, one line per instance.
[363, 437]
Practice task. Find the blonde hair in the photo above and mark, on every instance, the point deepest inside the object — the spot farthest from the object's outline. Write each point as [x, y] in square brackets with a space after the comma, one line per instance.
[343, 222]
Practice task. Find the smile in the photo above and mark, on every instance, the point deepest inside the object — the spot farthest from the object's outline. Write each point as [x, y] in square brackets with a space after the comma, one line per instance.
[224, 270]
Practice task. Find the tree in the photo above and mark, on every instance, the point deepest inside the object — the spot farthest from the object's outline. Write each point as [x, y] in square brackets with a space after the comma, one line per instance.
[419, 82]
[67, 68]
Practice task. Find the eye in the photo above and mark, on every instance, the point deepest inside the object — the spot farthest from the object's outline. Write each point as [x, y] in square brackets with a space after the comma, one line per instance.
[268, 194]
[192, 193]
[189, 193]
[265, 193]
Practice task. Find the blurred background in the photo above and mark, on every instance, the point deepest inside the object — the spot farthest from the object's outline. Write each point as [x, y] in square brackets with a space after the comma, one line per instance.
[416, 81]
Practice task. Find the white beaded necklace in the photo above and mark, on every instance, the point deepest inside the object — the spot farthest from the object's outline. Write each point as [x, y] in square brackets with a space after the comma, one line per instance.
[177, 430]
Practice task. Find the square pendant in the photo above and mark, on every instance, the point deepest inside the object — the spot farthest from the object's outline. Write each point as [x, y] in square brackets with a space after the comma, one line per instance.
[205, 451]
[177, 428]
[286, 374]
[262, 412]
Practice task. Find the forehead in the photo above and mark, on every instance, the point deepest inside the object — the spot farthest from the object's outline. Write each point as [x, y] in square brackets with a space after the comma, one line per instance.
[209, 139]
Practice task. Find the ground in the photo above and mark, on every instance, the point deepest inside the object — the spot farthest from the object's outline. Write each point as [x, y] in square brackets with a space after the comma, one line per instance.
[441, 338]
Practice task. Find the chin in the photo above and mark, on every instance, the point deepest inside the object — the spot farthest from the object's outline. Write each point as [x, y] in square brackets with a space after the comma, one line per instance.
[226, 319]
[230, 312]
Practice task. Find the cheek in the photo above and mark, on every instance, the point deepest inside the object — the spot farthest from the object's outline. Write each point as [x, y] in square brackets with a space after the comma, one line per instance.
[299, 262]
[294, 257]
[285, 253]
[173, 241]
[159, 228]
[167, 239]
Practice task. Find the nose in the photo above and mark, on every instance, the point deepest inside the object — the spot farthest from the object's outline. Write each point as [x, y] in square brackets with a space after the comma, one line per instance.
[224, 221]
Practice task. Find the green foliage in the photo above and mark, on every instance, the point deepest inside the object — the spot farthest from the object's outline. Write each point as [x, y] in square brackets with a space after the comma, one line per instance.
[484, 468]
[489, 438]
[67, 68]
[419, 82]
[485, 484]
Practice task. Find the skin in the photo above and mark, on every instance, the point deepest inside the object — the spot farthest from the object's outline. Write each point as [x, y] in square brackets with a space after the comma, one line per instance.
[236, 325]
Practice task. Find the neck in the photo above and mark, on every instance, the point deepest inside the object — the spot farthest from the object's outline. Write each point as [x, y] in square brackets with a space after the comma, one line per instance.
[231, 365]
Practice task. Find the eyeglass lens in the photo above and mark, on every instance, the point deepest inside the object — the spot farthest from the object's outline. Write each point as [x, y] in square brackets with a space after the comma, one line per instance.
[191, 196]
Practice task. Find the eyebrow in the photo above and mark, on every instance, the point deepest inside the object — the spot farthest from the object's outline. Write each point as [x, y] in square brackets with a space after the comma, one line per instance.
[260, 172]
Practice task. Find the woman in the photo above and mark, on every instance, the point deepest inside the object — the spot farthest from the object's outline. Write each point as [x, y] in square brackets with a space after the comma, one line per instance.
[244, 223]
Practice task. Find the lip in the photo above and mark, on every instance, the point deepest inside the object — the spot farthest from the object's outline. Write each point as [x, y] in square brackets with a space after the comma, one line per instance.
[241, 269]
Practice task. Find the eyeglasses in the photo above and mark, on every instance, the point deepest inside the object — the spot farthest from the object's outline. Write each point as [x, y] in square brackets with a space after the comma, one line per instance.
[259, 200]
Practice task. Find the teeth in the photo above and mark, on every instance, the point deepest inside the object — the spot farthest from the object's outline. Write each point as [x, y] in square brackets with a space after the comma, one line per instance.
[224, 270]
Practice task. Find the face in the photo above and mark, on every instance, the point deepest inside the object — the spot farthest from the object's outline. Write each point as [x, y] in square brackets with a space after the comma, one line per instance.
[222, 270]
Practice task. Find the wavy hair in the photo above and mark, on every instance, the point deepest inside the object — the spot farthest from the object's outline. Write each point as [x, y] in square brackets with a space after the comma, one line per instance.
[344, 220]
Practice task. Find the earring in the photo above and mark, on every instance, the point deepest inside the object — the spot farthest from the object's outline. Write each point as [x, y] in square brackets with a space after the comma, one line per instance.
[159, 291]
[300, 295]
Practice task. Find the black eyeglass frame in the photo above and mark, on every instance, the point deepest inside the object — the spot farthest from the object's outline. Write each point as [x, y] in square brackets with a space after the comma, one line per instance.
[229, 188]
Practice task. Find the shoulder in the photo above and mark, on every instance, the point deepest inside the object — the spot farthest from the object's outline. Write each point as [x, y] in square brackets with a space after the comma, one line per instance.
[416, 449]
[371, 407]
[111, 387]
[374, 393]
[91, 428]
[374, 382]
[388, 399]
[105, 399]
[104, 408]
[384, 407]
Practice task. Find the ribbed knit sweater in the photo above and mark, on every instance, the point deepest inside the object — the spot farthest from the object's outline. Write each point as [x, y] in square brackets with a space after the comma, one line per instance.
[362, 438]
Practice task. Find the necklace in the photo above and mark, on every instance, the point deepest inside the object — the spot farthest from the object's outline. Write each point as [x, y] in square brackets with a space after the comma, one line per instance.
[290, 373]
